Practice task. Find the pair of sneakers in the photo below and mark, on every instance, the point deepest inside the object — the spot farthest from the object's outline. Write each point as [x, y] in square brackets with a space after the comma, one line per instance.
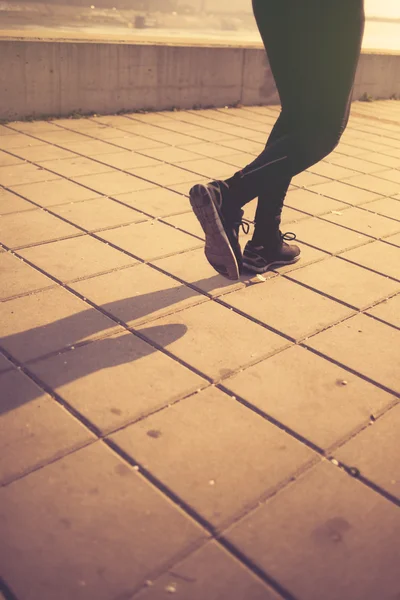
[221, 221]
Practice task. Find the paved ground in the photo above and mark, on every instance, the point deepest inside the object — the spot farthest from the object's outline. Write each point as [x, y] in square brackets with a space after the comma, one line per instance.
[164, 431]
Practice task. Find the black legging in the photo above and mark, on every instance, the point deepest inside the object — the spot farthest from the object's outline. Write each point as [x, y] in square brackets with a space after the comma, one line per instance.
[313, 47]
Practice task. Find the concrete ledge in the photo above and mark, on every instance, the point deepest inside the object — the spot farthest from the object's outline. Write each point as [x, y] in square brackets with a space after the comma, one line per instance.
[58, 77]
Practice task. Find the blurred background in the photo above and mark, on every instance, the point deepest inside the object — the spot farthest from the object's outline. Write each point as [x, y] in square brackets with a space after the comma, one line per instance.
[222, 21]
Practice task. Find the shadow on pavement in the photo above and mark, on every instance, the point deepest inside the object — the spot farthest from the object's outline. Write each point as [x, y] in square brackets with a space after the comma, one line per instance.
[43, 342]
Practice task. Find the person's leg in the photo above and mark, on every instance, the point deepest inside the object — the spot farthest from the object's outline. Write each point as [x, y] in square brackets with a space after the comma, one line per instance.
[314, 62]
[270, 201]
[313, 49]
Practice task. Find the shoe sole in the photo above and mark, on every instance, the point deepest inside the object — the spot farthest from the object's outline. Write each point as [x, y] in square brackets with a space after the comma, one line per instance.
[277, 263]
[218, 249]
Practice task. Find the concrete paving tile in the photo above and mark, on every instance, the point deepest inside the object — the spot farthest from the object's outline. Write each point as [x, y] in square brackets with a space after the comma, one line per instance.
[349, 150]
[171, 138]
[251, 135]
[44, 153]
[33, 227]
[331, 171]
[174, 125]
[384, 130]
[127, 160]
[209, 573]
[151, 117]
[388, 311]
[35, 428]
[11, 203]
[137, 294]
[268, 303]
[111, 120]
[76, 258]
[339, 190]
[75, 166]
[98, 214]
[366, 346]
[193, 268]
[18, 140]
[394, 239]
[156, 201]
[165, 174]
[373, 146]
[329, 237]
[384, 142]
[193, 449]
[168, 155]
[364, 221]
[330, 523]
[218, 340]
[381, 159]
[95, 122]
[15, 175]
[390, 175]
[16, 277]
[150, 240]
[184, 188]
[113, 182]
[216, 126]
[81, 124]
[58, 191]
[378, 256]
[243, 145]
[139, 128]
[136, 142]
[208, 167]
[347, 282]
[210, 150]
[186, 222]
[49, 321]
[90, 496]
[352, 162]
[307, 179]
[60, 136]
[86, 377]
[229, 116]
[212, 135]
[374, 452]
[374, 183]
[374, 135]
[308, 395]
[5, 364]
[7, 130]
[8, 159]
[387, 207]
[34, 126]
[105, 133]
[238, 160]
[312, 203]
[92, 147]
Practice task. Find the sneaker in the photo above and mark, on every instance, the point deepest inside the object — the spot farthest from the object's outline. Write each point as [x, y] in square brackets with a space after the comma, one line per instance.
[220, 220]
[260, 259]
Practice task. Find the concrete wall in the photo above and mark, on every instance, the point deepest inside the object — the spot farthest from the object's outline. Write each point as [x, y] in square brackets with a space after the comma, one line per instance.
[43, 78]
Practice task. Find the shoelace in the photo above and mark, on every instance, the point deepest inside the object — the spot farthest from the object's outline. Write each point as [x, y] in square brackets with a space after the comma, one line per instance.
[288, 237]
[245, 225]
